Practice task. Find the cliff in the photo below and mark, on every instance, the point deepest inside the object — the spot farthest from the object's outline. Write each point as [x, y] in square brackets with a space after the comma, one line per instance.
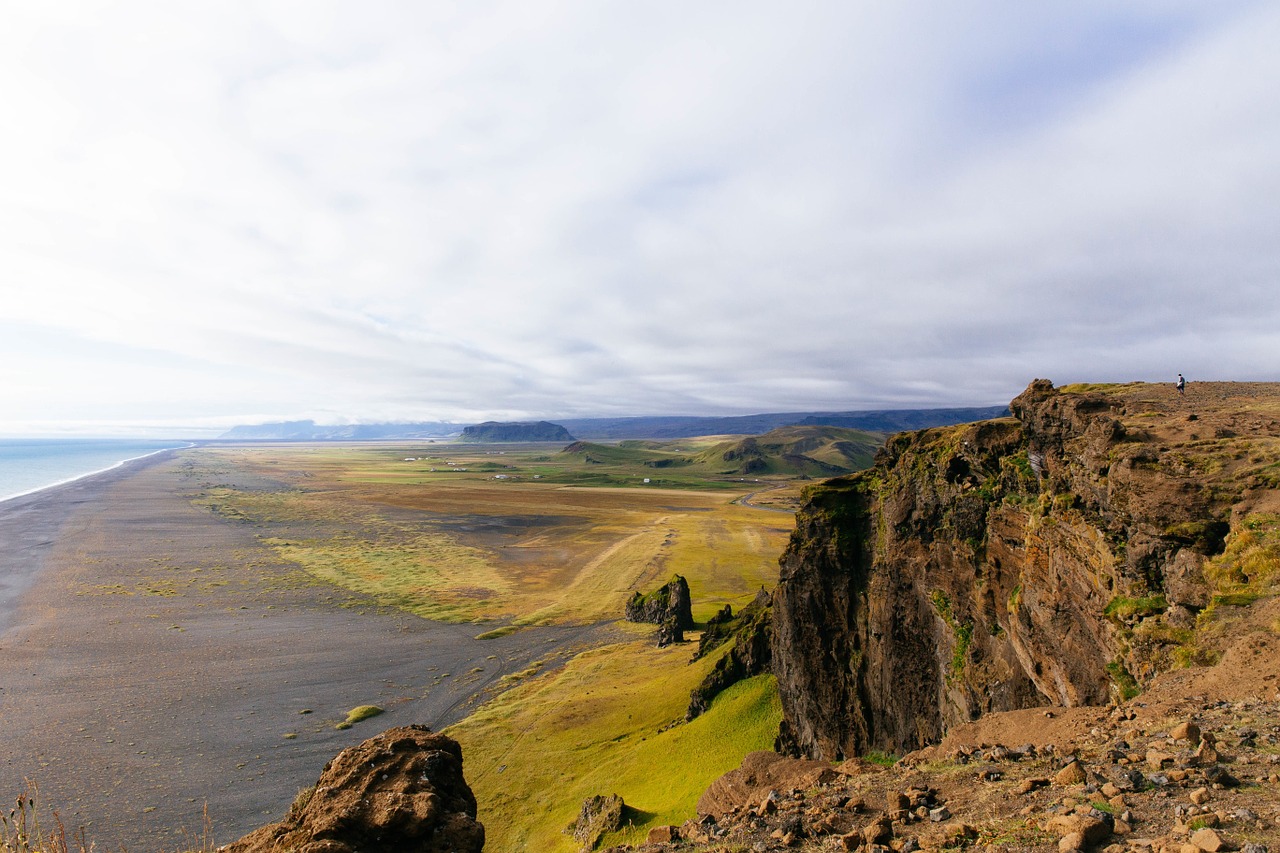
[1061, 556]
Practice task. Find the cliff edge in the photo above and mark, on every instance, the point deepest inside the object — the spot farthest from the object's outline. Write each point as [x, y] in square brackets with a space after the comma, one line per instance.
[1063, 556]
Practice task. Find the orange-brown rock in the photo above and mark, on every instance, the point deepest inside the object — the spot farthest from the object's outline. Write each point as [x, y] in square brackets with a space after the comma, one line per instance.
[399, 792]
[1041, 559]
[760, 773]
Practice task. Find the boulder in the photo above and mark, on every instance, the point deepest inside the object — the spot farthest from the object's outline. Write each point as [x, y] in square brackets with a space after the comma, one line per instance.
[402, 790]
[669, 633]
[598, 816]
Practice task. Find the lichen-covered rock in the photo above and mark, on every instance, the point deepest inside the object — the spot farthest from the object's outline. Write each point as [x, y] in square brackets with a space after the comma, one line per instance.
[1011, 563]
[598, 816]
[399, 792]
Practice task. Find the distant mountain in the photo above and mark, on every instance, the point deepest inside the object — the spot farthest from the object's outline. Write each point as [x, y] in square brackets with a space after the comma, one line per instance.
[903, 420]
[885, 421]
[494, 431]
[310, 431]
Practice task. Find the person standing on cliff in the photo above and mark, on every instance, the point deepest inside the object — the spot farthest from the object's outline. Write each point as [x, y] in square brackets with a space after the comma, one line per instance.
[1182, 385]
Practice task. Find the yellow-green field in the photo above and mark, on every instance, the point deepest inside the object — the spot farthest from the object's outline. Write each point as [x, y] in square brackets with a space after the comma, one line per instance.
[464, 546]
[511, 538]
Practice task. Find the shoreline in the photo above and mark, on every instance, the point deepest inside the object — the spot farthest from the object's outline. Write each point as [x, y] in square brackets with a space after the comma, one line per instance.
[157, 659]
[31, 521]
[77, 477]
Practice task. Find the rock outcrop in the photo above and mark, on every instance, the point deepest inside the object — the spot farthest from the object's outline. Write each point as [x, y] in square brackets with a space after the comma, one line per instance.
[1188, 767]
[598, 816]
[751, 653]
[669, 603]
[400, 791]
[1052, 558]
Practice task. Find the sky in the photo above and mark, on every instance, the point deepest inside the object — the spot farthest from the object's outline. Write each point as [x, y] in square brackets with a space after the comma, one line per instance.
[236, 212]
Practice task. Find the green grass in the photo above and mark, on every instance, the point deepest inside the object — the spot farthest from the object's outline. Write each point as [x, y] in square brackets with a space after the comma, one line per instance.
[884, 759]
[1125, 684]
[1124, 608]
[498, 632]
[601, 725]
[359, 714]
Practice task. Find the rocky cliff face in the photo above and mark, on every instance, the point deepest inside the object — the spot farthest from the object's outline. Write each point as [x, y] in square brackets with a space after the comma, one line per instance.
[1057, 557]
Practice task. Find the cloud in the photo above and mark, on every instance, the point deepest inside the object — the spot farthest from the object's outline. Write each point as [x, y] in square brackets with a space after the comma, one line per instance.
[460, 211]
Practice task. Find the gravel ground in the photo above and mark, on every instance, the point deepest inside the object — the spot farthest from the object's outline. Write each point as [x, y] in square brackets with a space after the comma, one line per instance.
[155, 659]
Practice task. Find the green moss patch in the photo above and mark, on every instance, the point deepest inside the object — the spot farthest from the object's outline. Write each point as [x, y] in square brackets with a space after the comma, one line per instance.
[359, 714]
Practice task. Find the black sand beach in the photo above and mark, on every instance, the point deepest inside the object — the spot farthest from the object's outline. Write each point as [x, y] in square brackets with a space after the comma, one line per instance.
[154, 658]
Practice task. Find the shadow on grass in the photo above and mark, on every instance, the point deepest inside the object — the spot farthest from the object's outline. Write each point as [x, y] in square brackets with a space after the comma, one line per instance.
[633, 817]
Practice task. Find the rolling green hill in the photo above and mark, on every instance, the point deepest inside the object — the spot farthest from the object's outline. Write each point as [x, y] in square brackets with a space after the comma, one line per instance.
[815, 451]
[810, 451]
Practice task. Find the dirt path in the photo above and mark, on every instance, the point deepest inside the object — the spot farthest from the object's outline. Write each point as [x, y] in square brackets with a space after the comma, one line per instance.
[157, 658]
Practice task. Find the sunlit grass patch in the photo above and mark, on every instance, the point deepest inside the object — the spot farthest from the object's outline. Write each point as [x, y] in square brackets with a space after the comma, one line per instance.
[498, 632]
[429, 575]
[601, 724]
[359, 714]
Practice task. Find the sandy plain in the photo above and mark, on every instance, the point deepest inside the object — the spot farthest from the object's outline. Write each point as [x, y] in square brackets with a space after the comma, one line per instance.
[156, 660]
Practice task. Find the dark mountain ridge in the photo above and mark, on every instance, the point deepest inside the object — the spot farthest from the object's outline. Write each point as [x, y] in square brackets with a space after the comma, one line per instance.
[885, 421]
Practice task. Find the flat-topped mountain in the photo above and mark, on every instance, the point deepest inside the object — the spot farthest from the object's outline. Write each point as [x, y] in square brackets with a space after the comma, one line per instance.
[495, 431]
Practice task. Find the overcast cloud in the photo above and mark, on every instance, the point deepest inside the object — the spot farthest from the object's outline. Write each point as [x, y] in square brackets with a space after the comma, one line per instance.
[220, 213]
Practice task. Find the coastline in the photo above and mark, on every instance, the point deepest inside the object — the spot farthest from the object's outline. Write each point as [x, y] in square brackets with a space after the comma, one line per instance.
[77, 477]
[157, 659]
[30, 522]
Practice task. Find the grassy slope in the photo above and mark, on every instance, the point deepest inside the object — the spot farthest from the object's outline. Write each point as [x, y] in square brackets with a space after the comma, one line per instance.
[535, 753]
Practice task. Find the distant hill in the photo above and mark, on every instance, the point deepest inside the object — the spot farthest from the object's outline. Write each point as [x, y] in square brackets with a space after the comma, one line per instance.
[799, 450]
[817, 451]
[495, 431]
[657, 427]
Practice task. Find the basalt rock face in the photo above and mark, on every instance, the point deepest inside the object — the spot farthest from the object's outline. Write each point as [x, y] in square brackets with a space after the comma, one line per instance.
[668, 603]
[400, 791]
[751, 653]
[1000, 565]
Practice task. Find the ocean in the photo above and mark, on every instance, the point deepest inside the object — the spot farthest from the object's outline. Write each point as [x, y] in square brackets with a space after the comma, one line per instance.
[30, 464]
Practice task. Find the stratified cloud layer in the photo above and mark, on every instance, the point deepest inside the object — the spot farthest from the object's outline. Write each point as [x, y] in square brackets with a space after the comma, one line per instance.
[220, 213]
